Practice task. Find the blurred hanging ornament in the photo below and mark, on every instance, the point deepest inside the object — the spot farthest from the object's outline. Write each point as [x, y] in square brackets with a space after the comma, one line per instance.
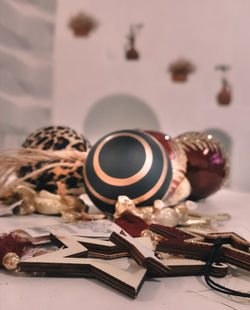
[179, 165]
[82, 24]
[180, 69]
[225, 94]
[207, 163]
[131, 52]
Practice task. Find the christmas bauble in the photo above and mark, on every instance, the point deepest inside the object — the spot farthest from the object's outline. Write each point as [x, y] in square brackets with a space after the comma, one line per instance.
[130, 163]
[60, 179]
[177, 157]
[207, 163]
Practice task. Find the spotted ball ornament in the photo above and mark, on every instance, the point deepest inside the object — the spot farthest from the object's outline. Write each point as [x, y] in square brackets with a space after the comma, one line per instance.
[178, 160]
[207, 163]
[60, 179]
[130, 163]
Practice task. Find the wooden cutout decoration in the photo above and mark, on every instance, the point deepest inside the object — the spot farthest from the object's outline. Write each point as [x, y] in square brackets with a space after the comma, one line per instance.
[96, 247]
[142, 255]
[66, 261]
[182, 266]
[173, 266]
[235, 250]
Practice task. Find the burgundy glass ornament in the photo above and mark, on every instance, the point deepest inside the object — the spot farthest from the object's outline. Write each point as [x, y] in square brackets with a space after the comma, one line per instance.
[207, 163]
[178, 160]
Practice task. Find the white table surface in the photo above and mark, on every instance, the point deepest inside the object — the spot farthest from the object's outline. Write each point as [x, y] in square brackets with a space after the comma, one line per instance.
[22, 292]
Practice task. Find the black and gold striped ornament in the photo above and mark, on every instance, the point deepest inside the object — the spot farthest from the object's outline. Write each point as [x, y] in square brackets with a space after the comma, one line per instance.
[127, 162]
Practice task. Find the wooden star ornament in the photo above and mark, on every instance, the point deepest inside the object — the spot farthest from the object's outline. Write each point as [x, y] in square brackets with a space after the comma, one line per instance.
[162, 266]
[72, 260]
[235, 249]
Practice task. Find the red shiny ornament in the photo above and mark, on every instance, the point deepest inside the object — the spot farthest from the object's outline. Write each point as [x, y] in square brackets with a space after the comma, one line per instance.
[178, 160]
[207, 163]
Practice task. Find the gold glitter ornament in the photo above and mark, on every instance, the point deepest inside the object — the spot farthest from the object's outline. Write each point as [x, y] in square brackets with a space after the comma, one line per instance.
[207, 163]
[10, 261]
[159, 213]
[169, 216]
[124, 203]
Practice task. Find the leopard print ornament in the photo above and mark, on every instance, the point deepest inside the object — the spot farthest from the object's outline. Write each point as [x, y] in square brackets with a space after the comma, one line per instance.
[60, 179]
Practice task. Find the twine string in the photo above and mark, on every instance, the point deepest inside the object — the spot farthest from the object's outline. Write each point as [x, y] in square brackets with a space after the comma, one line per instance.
[213, 258]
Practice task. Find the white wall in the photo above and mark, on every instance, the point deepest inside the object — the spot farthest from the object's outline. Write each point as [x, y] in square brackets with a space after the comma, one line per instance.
[208, 32]
[26, 67]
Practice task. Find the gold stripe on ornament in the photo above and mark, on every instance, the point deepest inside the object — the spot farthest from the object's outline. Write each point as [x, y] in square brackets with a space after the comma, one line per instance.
[141, 198]
[123, 181]
[94, 193]
[159, 183]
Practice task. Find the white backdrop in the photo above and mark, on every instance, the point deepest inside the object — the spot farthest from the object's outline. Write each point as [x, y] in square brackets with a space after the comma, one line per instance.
[93, 82]
[26, 67]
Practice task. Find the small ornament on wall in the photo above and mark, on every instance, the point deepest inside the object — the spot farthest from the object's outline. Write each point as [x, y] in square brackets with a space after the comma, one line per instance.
[225, 94]
[180, 69]
[82, 24]
[131, 52]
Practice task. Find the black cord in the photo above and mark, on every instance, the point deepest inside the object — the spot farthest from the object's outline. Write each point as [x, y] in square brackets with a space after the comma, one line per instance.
[212, 259]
